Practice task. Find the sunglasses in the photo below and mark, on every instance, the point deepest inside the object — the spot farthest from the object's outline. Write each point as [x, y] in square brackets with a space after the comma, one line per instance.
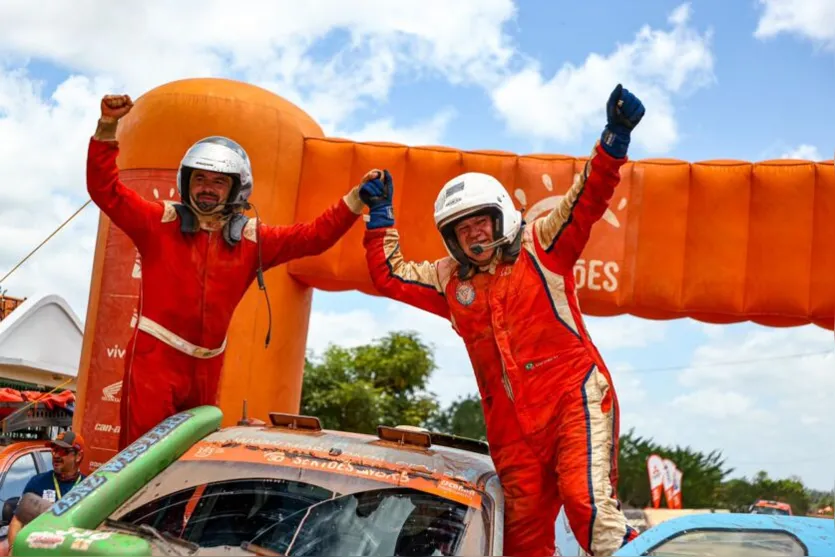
[62, 451]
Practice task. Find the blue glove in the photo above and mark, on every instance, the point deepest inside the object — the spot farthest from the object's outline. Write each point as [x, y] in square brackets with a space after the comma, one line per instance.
[623, 112]
[378, 194]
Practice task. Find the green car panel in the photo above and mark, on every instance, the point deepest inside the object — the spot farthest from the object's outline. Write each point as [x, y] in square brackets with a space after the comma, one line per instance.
[68, 528]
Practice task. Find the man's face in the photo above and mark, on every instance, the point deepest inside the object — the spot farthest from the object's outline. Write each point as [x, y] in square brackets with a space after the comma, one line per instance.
[209, 189]
[475, 230]
[65, 461]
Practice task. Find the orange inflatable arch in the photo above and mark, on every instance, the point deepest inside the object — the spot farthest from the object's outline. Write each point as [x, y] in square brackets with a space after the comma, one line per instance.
[718, 241]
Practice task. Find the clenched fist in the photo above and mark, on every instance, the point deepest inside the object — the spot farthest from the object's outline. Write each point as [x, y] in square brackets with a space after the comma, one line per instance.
[114, 107]
[371, 175]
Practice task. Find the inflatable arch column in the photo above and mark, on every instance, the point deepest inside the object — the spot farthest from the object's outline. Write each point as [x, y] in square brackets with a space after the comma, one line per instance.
[163, 124]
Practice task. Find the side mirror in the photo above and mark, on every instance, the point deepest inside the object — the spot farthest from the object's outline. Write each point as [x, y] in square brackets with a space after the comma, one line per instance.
[9, 507]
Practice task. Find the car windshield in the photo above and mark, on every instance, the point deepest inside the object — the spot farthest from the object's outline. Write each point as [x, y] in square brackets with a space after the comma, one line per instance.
[297, 518]
[730, 543]
[393, 521]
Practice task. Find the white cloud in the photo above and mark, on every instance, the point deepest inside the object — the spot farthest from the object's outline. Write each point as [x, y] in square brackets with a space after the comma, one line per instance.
[655, 66]
[713, 403]
[629, 385]
[43, 157]
[288, 48]
[810, 19]
[712, 330]
[624, 331]
[803, 152]
[429, 132]
[272, 44]
[764, 410]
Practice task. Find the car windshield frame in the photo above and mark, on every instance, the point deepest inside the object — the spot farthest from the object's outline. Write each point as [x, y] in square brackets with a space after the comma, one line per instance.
[185, 475]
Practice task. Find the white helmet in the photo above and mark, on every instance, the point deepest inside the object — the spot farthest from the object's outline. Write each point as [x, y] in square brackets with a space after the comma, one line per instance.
[218, 154]
[470, 194]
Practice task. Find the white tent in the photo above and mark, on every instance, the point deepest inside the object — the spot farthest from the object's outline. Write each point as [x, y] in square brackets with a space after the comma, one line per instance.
[40, 343]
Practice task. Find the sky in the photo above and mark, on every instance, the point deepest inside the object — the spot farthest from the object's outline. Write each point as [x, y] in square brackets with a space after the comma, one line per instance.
[748, 80]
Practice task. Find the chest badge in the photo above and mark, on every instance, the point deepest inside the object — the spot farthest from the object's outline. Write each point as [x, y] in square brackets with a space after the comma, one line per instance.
[465, 293]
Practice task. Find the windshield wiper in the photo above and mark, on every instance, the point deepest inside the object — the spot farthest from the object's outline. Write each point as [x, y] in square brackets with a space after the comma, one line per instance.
[168, 541]
[258, 550]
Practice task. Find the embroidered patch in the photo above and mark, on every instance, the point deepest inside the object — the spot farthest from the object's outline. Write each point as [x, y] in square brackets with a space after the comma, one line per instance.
[465, 293]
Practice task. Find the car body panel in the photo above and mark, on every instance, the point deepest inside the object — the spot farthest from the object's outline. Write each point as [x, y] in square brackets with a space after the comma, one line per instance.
[815, 534]
[191, 442]
[452, 473]
[76, 515]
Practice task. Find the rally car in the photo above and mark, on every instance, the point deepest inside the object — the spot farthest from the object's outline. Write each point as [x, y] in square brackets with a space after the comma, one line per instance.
[764, 506]
[286, 488]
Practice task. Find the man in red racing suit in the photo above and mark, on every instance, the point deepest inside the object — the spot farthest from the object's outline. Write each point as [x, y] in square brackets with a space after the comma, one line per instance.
[196, 266]
[549, 403]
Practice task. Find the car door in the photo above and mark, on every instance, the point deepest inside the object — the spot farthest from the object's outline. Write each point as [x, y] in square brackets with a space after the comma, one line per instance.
[17, 476]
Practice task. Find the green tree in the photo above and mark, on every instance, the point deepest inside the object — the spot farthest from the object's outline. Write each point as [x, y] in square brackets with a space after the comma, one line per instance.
[464, 417]
[821, 500]
[702, 473]
[704, 483]
[739, 494]
[357, 389]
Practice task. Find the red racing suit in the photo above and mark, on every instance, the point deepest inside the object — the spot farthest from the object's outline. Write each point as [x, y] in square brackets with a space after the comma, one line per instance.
[549, 402]
[190, 287]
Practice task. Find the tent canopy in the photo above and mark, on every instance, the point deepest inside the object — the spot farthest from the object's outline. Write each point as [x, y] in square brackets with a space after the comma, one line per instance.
[40, 343]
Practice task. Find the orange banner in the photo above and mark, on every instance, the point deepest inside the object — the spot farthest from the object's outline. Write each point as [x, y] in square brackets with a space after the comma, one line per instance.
[453, 489]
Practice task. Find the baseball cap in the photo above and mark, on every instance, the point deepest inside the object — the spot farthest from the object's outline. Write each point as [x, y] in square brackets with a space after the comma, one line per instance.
[69, 440]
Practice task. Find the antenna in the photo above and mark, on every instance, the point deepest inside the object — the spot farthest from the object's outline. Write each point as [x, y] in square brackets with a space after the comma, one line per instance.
[244, 420]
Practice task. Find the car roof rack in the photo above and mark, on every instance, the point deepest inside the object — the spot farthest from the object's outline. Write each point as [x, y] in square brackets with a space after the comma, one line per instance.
[421, 437]
[405, 435]
[26, 418]
[295, 421]
[458, 442]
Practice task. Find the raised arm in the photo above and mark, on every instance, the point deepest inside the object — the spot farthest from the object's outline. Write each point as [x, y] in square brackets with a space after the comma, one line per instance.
[128, 210]
[284, 243]
[418, 284]
[561, 236]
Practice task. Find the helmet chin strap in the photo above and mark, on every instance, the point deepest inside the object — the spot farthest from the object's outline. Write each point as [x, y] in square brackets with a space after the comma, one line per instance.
[218, 208]
[203, 212]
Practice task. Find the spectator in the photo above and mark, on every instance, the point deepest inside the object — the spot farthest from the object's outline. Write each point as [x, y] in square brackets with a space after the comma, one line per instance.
[28, 509]
[67, 456]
